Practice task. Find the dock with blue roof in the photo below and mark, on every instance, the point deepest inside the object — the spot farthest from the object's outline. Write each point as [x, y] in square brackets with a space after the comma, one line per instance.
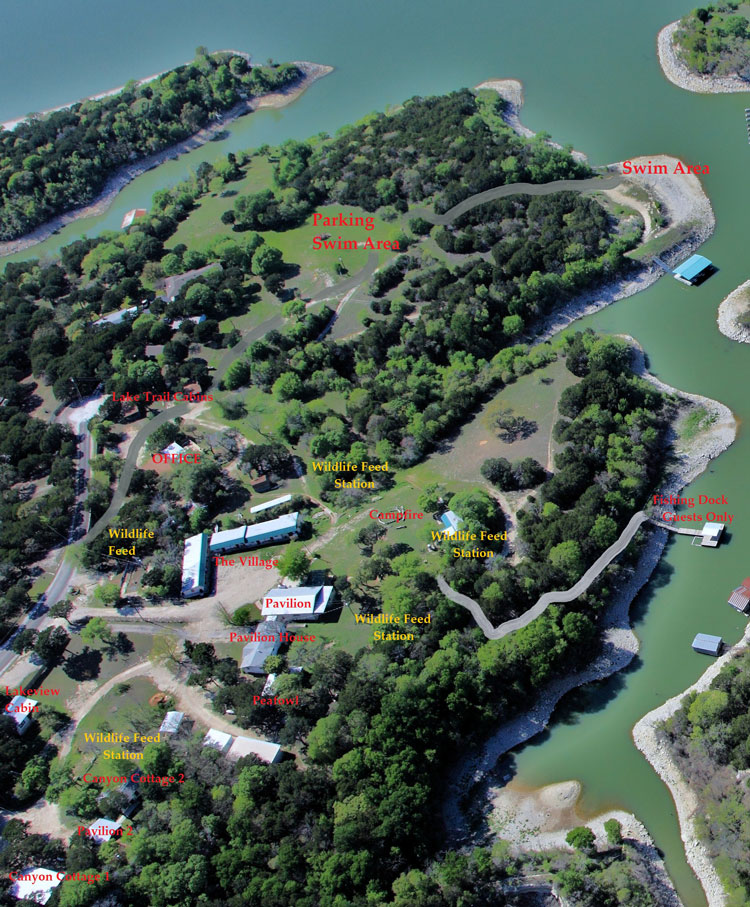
[694, 271]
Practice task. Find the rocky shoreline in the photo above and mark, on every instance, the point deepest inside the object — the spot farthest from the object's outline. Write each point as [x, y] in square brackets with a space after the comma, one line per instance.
[679, 74]
[681, 196]
[619, 642]
[649, 741]
[311, 73]
[541, 819]
[687, 206]
[737, 303]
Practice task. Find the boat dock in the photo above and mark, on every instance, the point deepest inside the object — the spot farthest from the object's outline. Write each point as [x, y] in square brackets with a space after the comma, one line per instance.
[709, 535]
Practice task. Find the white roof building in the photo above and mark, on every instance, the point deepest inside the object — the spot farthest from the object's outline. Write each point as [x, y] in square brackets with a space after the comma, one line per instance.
[117, 317]
[249, 746]
[284, 499]
[173, 448]
[245, 537]
[35, 884]
[196, 319]
[711, 533]
[103, 829]
[131, 216]
[218, 740]
[707, 644]
[228, 539]
[171, 723]
[451, 521]
[195, 566]
[307, 602]
[22, 710]
[268, 686]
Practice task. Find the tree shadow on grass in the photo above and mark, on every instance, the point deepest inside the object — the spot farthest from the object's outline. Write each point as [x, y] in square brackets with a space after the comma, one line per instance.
[84, 666]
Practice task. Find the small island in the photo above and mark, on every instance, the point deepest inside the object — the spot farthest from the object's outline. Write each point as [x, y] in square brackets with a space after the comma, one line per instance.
[708, 50]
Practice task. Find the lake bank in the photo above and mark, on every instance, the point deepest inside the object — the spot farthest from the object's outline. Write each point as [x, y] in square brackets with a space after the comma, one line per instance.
[541, 819]
[731, 309]
[619, 642]
[276, 99]
[680, 196]
[680, 75]
[650, 742]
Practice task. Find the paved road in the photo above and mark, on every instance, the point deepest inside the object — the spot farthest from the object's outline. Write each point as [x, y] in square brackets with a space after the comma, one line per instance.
[490, 195]
[76, 415]
[549, 598]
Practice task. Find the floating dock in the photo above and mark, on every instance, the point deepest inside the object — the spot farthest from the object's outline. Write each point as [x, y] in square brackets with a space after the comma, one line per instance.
[707, 645]
[694, 271]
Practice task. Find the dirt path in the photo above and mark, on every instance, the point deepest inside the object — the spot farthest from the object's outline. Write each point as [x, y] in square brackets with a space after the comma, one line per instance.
[43, 818]
[622, 198]
[189, 699]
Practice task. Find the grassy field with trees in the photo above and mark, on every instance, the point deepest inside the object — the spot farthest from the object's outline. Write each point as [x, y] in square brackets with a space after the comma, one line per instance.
[355, 817]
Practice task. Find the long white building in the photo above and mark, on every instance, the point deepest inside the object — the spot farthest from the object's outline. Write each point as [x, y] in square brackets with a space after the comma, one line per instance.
[244, 538]
[195, 566]
[307, 602]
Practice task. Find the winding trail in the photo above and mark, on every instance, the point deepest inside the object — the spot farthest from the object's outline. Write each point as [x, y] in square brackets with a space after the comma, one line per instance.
[166, 415]
[345, 286]
[549, 598]
[593, 184]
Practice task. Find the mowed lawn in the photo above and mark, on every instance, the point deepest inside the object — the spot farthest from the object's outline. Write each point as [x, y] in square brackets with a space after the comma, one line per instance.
[200, 229]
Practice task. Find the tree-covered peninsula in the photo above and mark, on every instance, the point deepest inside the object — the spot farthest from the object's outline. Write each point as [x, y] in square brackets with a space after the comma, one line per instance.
[50, 164]
[715, 40]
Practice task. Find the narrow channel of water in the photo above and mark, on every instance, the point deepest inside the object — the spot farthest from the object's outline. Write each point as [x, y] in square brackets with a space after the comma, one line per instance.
[591, 78]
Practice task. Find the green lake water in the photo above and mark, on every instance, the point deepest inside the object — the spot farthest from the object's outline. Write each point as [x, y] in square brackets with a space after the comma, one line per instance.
[591, 78]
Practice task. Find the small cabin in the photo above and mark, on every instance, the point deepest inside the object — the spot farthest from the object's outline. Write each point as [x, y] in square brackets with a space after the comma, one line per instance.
[133, 215]
[707, 645]
[22, 710]
[451, 521]
[740, 597]
[694, 271]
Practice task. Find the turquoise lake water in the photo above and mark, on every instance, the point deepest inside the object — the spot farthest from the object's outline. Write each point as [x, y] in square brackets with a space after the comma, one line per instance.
[591, 78]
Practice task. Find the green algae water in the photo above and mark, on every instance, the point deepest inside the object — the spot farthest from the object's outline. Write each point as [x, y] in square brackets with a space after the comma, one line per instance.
[591, 78]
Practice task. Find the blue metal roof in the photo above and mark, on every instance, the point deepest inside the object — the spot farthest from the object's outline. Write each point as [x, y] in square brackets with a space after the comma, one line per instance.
[706, 641]
[692, 267]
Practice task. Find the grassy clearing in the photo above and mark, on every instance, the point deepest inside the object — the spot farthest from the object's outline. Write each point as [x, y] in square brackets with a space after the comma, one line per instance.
[124, 711]
[660, 244]
[697, 421]
[203, 225]
[317, 266]
[340, 630]
[534, 397]
[70, 687]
